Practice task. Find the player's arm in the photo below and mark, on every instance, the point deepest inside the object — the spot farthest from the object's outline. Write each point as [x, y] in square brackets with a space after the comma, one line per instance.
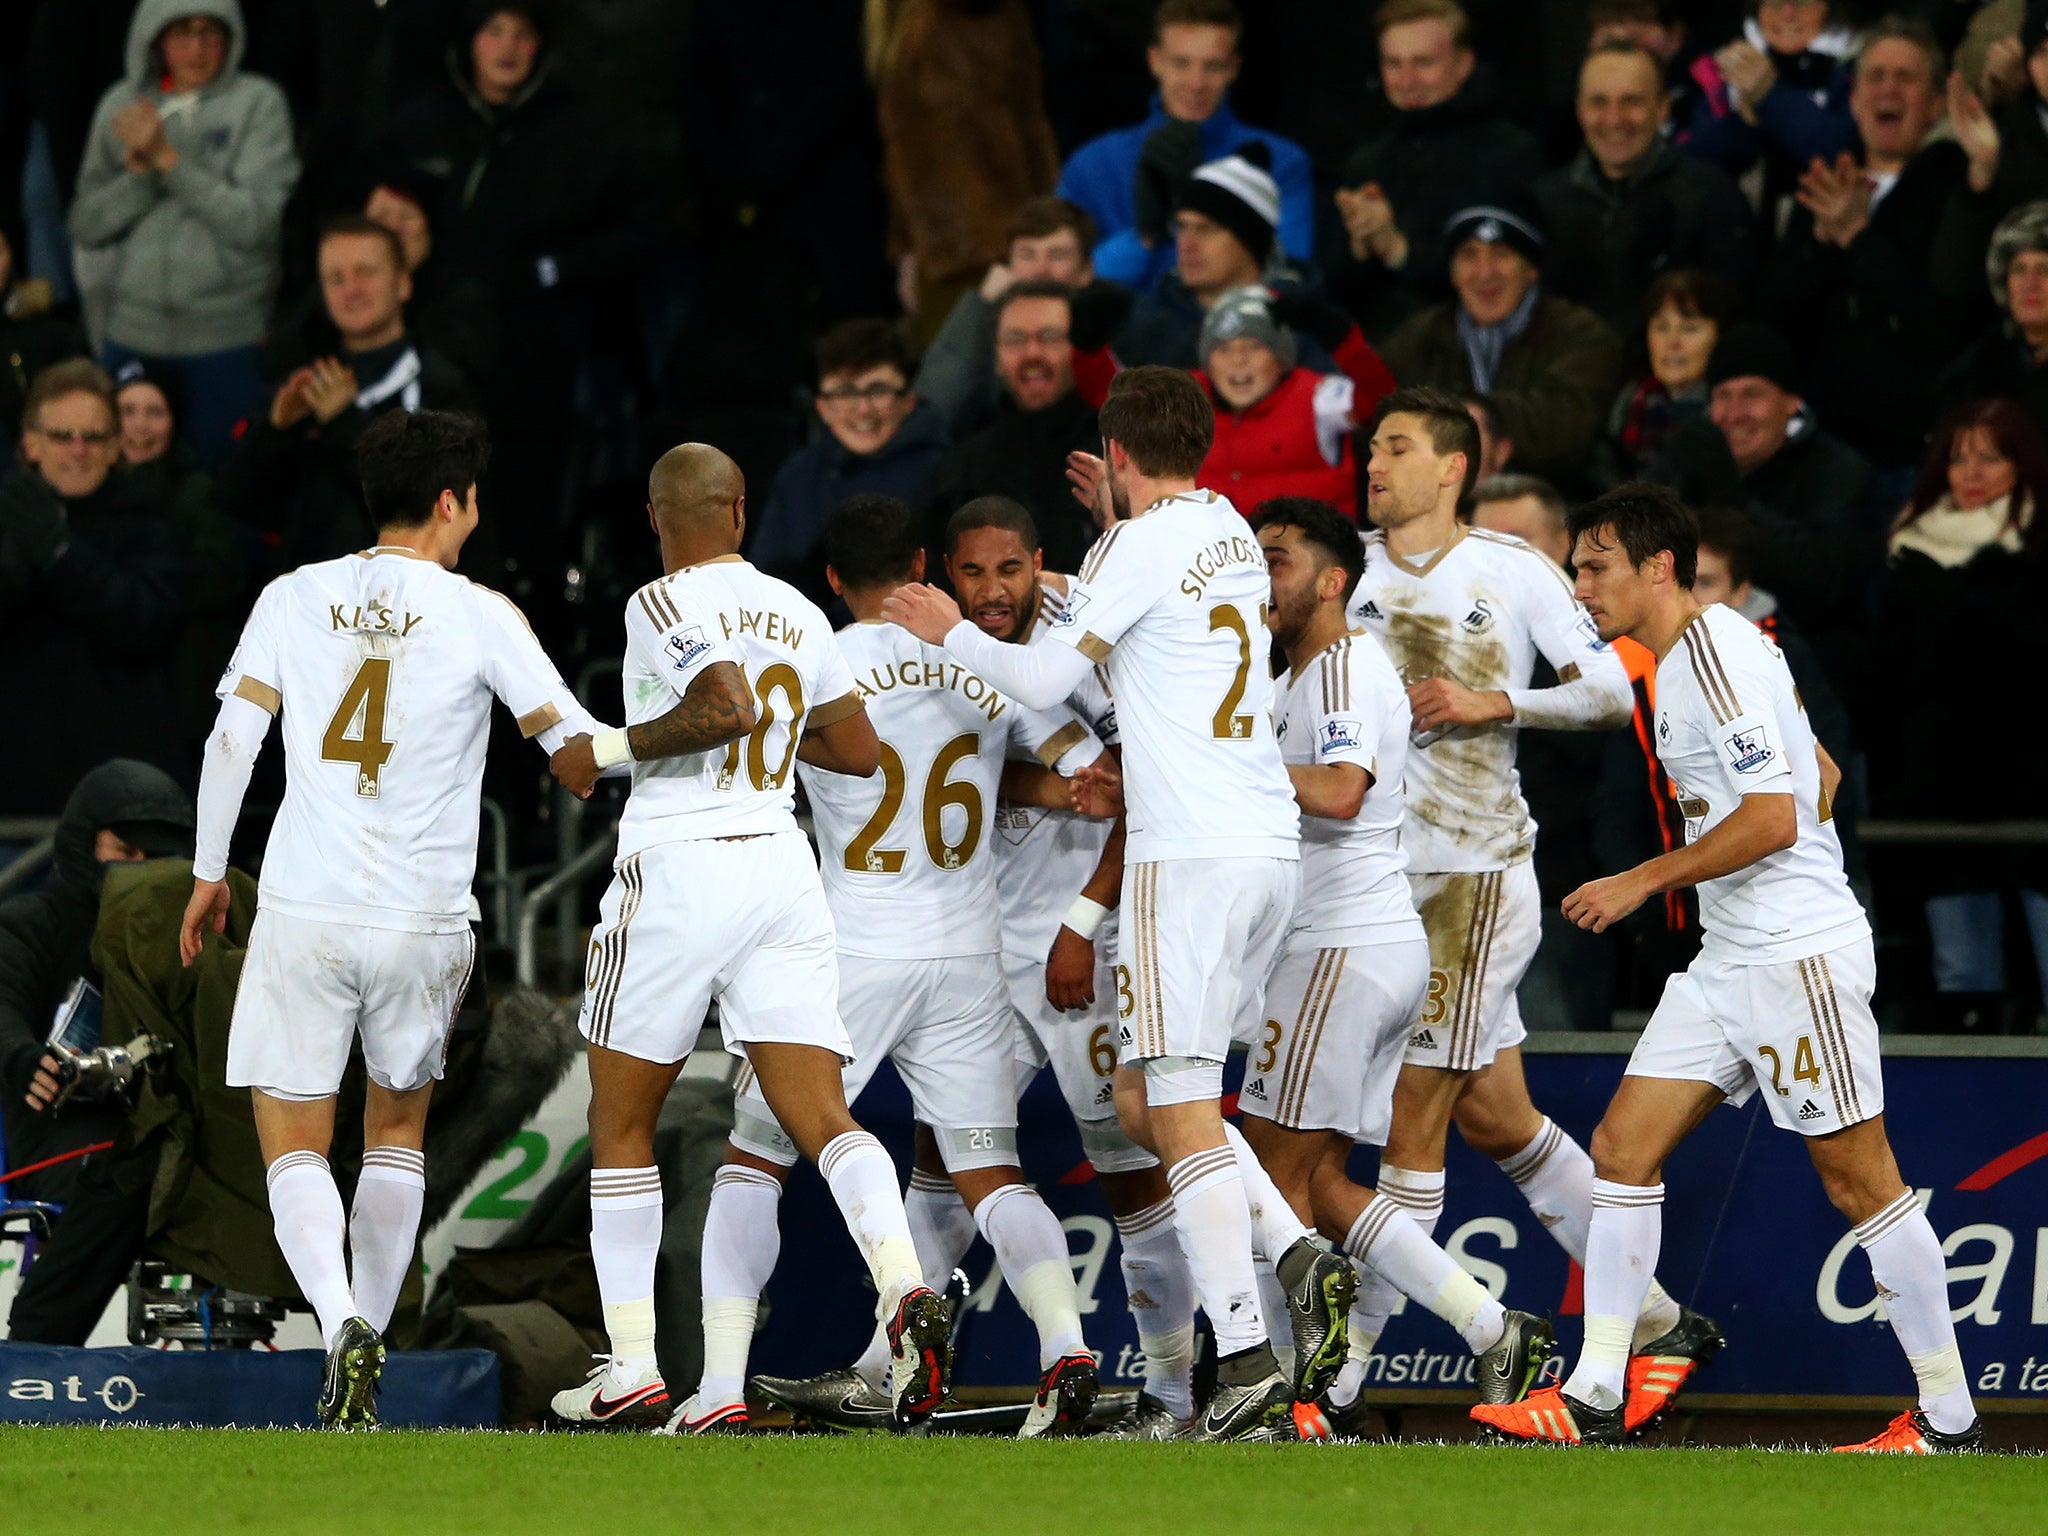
[1054, 745]
[1763, 824]
[840, 738]
[1592, 691]
[1333, 791]
[249, 701]
[526, 680]
[1036, 785]
[1070, 966]
[1039, 676]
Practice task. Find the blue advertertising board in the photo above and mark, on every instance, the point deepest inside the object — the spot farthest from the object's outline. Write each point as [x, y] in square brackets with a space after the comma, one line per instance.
[50, 1384]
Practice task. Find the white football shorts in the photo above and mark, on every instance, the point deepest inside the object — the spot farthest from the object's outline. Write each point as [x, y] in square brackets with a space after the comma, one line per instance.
[1336, 1028]
[1800, 1030]
[1080, 1048]
[742, 920]
[1197, 940]
[947, 1025]
[1483, 930]
[310, 986]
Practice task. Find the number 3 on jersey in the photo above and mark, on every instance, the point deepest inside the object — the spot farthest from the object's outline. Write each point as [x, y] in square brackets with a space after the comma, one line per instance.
[1228, 724]
[361, 711]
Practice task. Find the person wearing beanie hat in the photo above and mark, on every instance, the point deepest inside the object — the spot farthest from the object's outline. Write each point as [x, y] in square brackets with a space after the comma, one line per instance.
[1547, 366]
[1127, 179]
[1239, 193]
[1283, 429]
[2009, 358]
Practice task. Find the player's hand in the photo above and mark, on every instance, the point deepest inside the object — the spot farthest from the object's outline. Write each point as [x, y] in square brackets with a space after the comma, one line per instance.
[1070, 972]
[1089, 477]
[1098, 790]
[995, 282]
[331, 389]
[1599, 904]
[289, 406]
[208, 909]
[43, 1087]
[924, 610]
[1438, 703]
[574, 766]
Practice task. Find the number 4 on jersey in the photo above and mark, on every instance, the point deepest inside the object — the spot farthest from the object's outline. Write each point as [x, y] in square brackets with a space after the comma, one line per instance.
[361, 711]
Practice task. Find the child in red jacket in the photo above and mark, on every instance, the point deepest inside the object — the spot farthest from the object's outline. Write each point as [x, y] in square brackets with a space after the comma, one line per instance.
[1282, 429]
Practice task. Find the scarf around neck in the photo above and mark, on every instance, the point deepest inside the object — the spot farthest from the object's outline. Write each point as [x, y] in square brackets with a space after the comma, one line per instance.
[1485, 343]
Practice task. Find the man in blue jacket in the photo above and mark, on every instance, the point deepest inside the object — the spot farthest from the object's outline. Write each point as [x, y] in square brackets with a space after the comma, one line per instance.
[1126, 179]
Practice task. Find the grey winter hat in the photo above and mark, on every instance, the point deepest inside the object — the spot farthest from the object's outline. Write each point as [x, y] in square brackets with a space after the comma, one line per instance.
[2024, 229]
[1245, 312]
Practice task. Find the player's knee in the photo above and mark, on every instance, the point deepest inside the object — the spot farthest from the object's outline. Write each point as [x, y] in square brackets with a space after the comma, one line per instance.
[1617, 1160]
[1133, 1113]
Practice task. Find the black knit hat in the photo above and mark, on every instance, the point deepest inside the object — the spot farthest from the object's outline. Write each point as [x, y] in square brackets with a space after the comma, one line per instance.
[1509, 219]
[1238, 192]
[1752, 349]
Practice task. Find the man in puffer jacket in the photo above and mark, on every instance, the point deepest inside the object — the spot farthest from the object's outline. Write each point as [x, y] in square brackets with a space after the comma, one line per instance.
[186, 175]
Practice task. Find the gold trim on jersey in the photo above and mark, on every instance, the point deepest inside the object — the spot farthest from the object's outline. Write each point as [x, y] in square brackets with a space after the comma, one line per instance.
[659, 606]
[1692, 810]
[1401, 562]
[534, 721]
[734, 558]
[1094, 647]
[262, 695]
[832, 711]
[1569, 672]
[1057, 745]
[1708, 671]
[1337, 675]
[1099, 551]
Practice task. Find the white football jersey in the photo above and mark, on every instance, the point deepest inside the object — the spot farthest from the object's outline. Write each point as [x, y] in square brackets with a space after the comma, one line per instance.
[1172, 603]
[908, 854]
[383, 666]
[1347, 705]
[1477, 612]
[725, 610]
[1044, 858]
[1730, 723]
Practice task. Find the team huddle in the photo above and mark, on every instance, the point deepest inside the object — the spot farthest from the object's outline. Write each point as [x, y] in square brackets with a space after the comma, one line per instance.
[1079, 821]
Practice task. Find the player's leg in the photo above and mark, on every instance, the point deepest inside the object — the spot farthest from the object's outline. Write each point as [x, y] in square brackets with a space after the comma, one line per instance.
[1498, 1120]
[384, 1220]
[742, 1240]
[305, 1204]
[1411, 1175]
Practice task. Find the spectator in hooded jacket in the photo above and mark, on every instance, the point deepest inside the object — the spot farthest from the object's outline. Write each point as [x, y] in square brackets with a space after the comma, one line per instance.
[2009, 358]
[1547, 367]
[1851, 280]
[1126, 180]
[1447, 148]
[1629, 206]
[1281, 429]
[1780, 93]
[873, 436]
[1959, 624]
[186, 175]
[92, 581]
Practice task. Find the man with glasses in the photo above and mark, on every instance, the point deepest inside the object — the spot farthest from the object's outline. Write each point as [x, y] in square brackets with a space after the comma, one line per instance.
[91, 594]
[879, 438]
[1022, 454]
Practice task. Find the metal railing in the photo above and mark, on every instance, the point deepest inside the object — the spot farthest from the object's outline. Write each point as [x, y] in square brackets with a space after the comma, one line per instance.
[40, 834]
[1955, 833]
[558, 887]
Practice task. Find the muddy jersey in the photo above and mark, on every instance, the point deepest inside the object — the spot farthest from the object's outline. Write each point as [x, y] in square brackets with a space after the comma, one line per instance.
[1479, 611]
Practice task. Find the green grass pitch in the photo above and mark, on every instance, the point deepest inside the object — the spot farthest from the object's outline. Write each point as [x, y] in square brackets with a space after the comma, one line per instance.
[156, 1482]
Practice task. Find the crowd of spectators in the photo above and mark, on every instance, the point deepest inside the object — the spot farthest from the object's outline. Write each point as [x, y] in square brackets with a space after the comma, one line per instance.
[1788, 256]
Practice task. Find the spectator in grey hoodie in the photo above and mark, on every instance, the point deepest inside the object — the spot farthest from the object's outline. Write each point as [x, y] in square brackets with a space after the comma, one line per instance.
[186, 175]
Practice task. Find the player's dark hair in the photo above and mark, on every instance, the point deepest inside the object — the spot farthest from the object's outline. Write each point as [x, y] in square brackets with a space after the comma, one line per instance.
[1645, 520]
[1196, 13]
[1334, 535]
[992, 512]
[1037, 217]
[361, 224]
[872, 541]
[855, 346]
[406, 459]
[1446, 422]
[1728, 532]
[1163, 418]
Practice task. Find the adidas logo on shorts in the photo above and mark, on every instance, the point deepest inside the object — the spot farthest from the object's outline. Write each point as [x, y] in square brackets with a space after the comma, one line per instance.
[1811, 1111]
[1423, 1040]
[1256, 1088]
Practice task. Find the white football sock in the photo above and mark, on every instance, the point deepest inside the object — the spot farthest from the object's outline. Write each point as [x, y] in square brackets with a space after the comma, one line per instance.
[383, 1225]
[305, 1212]
[1912, 1278]
[1395, 1247]
[1421, 1195]
[1215, 1227]
[1275, 1227]
[1161, 1294]
[1621, 1261]
[942, 1228]
[863, 1185]
[1555, 1175]
[742, 1240]
[625, 1236]
[1032, 1250]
